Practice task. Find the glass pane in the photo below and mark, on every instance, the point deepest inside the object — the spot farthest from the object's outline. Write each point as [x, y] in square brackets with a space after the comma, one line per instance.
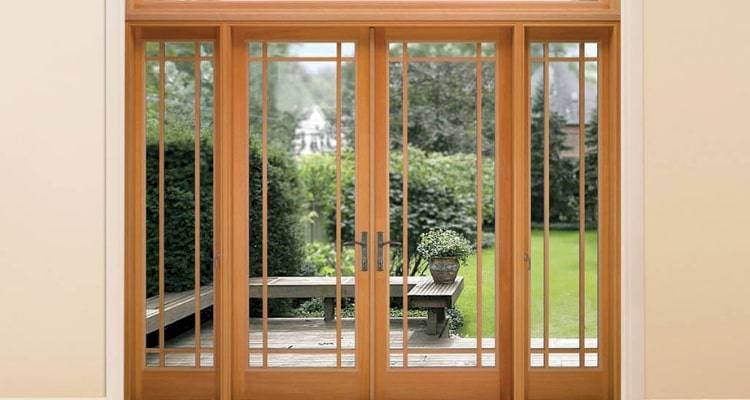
[179, 195]
[591, 360]
[302, 49]
[206, 209]
[488, 49]
[489, 241]
[302, 213]
[567, 360]
[254, 49]
[207, 49]
[441, 49]
[440, 203]
[592, 49]
[347, 49]
[592, 203]
[537, 50]
[179, 49]
[152, 208]
[255, 123]
[564, 49]
[537, 205]
[152, 49]
[564, 200]
[395, 49]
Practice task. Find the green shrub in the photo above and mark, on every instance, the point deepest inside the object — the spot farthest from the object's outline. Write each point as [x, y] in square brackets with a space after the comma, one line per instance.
[320, 259]
[285, 246]
[441, 196]
[179, 214]
[444, 243]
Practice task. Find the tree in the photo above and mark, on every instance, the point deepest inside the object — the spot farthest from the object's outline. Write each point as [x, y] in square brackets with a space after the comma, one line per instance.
[563, 183]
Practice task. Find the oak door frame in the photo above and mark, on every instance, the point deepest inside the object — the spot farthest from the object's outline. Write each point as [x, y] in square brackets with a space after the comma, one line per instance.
[222, 32]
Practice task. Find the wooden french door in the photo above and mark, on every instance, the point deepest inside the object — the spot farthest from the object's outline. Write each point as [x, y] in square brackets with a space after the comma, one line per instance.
[301, 117]
[450, 340]
[388, 331]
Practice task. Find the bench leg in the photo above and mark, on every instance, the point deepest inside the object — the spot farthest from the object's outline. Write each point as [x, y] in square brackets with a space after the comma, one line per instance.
[329, 309]
[436, 321]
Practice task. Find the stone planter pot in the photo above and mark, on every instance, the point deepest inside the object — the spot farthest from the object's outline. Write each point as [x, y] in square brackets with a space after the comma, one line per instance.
[444, 269]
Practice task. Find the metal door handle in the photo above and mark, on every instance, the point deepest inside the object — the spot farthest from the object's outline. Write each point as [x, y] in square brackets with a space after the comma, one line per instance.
[363, 244]
[382, 244]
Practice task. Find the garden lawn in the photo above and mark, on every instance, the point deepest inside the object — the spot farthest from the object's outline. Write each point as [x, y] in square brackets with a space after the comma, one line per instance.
[563, 287]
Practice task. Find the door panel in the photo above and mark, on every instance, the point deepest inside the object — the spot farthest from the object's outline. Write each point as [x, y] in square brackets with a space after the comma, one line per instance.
[301, 282]
[436, 156]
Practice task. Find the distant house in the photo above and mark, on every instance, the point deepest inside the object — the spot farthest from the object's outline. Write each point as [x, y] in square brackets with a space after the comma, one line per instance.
[314, 134]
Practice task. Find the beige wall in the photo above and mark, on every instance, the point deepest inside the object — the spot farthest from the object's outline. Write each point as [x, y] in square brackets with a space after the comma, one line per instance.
[697, 68]
[52, 198]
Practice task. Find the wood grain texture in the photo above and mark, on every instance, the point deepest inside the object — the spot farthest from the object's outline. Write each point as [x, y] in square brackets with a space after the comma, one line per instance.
[374, 11]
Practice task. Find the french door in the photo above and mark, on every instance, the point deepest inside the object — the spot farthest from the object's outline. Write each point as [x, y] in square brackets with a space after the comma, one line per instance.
[370, 340]
[281, 180]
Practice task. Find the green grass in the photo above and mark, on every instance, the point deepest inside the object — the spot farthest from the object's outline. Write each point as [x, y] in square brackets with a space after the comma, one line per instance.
[563, 287]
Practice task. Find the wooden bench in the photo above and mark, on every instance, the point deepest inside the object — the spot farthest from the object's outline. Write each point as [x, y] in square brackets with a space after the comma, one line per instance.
[423, 293]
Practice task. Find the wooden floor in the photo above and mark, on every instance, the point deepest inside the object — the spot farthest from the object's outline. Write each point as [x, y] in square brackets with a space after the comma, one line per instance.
[299, 335]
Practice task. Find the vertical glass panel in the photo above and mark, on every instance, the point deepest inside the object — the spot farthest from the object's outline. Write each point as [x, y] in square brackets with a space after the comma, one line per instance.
[179, 49]
[441, 194]
[537, 205]
[592, 203]
[302, 49]
[489, 241]
[152, 49]
[152, 208]
[179, 198]
[564, 49]
[255, 126]
[206, 208]
[395, 49]
[347, 49]
[564, 203]
[537, 50]
[441, 49]
[303, 172]
[347, 210]
[488, 49]
[395, 88]
[254, 49]
[207, 49]
[591, 49]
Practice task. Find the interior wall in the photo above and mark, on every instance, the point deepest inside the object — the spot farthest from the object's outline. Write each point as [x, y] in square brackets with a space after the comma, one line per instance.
[52, 199]
[697, 249]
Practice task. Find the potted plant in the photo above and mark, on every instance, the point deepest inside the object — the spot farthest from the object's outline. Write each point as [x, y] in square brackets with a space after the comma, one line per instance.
[445, 251]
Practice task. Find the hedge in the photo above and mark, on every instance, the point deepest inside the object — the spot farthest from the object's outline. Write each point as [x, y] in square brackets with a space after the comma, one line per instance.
[285, 250]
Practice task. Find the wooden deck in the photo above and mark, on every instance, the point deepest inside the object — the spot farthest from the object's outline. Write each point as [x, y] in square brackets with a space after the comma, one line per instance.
[319, 336]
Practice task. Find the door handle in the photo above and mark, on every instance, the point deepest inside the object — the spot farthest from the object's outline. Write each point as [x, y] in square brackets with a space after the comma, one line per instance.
[382, 244]
[363, 244]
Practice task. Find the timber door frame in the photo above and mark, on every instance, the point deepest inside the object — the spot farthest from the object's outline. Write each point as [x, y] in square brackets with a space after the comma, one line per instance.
[222, 33]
